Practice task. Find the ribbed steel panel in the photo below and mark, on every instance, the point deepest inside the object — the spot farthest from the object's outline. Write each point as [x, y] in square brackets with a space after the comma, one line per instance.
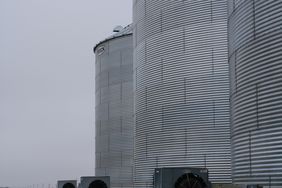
[181, 84]
[114, 109]
[255, 57]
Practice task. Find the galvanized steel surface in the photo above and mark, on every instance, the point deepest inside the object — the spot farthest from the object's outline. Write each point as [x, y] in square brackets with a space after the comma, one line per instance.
[255, 57]
[114, 110]
[181, 88]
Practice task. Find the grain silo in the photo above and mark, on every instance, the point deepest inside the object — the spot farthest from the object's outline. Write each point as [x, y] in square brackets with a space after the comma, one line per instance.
[181, 83]
[255, 57]
[114, 108]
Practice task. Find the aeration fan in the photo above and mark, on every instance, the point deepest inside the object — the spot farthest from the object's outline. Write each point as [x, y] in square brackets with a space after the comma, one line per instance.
[181, 177]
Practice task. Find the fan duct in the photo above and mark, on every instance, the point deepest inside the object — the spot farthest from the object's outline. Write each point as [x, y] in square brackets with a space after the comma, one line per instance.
[190, 180]
[98, 184]
[181, 178]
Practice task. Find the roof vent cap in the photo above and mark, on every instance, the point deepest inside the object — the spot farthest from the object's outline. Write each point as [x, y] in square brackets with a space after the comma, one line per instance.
[117, 29]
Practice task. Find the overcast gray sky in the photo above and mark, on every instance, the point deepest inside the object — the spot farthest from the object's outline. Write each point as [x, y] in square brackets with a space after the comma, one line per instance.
[47, 86]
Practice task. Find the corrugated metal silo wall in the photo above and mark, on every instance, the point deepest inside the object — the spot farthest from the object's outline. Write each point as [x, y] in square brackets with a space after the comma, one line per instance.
[255, 56]
[181, 87]
[114, 111]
